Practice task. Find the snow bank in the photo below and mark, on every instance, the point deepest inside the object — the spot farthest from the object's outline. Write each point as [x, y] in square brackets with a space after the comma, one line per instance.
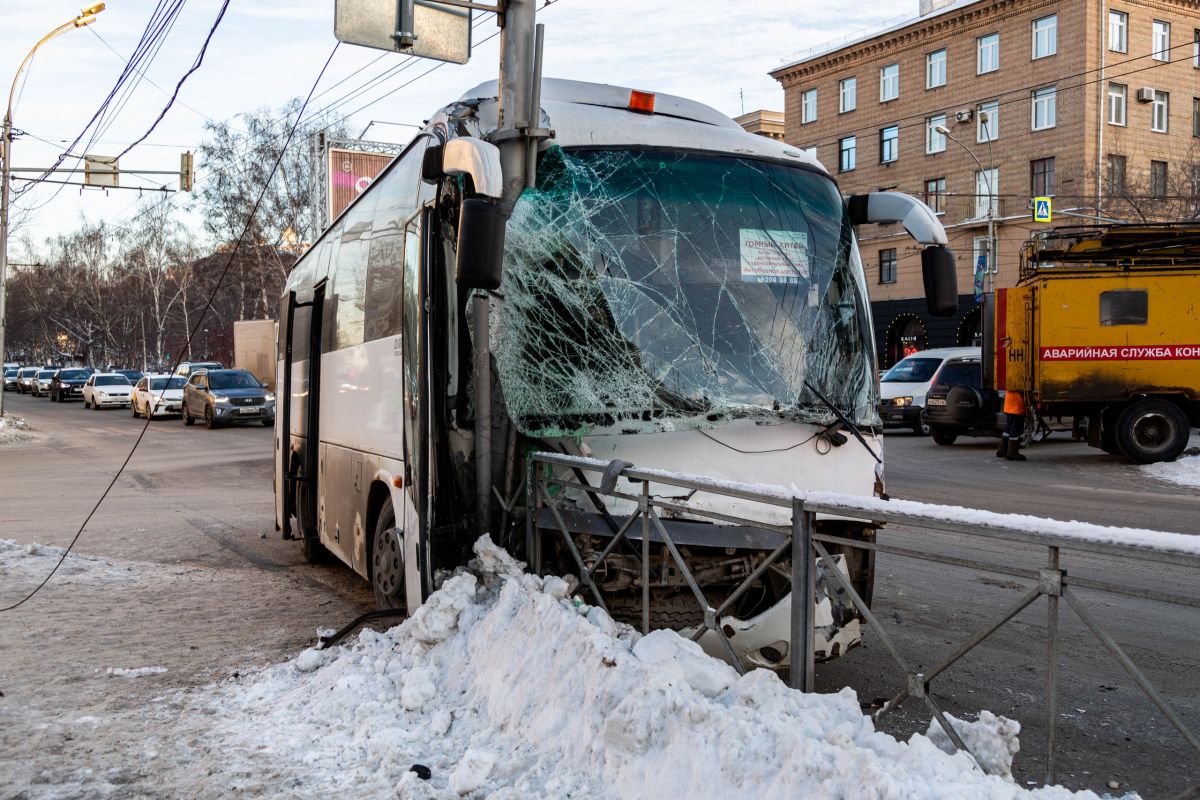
[500, 687]
[15, 429]
[1183, 471]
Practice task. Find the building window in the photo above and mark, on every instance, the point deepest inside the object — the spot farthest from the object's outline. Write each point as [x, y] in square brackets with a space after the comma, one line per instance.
[1045, 36]
[1118, 31]
[987, 124]
[1161, 44]
[847, 153]
[1195, 185]
[987, 56]
[1116, 103]
[889, 144]
[1041, 177]
[847, 95]
[935, 142]
[1045, 111]
[1158, 179]
[889, 83]
[980, 254]
[1159, 112]
[1196, 116]
[935, 69]
[1196, 48]
[808, 106]
[986, 191]
[1116, 174]
[935, 195]
[887, 266]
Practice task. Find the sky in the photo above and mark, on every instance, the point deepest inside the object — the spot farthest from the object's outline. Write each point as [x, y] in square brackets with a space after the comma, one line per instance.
[267, 51]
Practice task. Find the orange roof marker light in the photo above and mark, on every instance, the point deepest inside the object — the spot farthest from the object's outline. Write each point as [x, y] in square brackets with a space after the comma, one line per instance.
[641, 101]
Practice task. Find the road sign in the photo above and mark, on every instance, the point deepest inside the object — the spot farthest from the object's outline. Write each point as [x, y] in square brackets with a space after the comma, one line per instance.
[1042, 208]
[101, 170]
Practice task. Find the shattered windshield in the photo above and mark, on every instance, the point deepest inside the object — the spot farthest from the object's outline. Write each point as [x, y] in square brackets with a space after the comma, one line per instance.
[649, 289]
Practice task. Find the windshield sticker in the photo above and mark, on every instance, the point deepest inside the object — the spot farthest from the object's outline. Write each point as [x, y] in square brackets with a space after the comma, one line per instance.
[774, 256]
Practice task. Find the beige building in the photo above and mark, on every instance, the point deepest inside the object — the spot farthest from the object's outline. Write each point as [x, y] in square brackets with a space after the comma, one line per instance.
[1094, 104]
[763, 122]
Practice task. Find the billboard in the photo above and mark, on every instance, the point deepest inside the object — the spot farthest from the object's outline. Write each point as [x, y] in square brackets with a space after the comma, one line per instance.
[350, 173]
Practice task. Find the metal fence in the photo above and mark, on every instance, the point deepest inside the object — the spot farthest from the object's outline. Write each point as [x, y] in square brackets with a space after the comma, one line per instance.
[553, 473]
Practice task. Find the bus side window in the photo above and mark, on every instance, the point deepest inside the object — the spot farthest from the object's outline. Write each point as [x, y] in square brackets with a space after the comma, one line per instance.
[412, 304]
[385, 278]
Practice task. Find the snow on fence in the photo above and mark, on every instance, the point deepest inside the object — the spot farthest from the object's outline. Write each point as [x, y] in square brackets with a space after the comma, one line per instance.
[570, 473]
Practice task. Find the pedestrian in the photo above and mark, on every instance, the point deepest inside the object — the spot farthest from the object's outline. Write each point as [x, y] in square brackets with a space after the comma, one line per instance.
[1014, 413]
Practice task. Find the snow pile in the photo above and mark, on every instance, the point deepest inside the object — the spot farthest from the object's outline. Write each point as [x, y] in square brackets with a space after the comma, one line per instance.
[1184, 471]
[15, 429]
[134, 672]
[500, 687]
[31, 562]
[991, 739]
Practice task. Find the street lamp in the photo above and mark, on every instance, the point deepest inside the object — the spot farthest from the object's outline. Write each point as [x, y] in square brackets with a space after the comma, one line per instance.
[86, 17]
[987, 178]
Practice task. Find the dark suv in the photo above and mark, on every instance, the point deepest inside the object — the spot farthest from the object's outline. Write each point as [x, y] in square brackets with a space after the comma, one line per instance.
[68, 383]
[958, 405]
[220, 396]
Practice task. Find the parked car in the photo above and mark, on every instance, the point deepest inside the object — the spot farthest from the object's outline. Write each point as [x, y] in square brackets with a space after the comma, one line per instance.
[903, 388]
[39, 384]
[157, 396]
[68, 383]
[105, 389]
[134, 375]
[10, 379]
[186, 368]
[958, 405]
[220, 396]
[25, 377]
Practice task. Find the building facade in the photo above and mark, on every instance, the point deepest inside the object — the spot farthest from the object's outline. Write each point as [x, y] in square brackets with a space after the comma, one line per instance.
[979, 107]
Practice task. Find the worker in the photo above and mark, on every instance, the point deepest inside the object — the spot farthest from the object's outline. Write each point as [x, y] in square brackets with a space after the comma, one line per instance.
[1014, 412]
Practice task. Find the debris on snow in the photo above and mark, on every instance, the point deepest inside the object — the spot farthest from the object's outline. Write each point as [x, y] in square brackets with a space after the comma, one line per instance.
[516, 691]
[991, 739]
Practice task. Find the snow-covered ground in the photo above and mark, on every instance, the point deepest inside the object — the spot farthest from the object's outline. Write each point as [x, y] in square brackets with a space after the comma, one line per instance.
[15, 429]
[501, 687]
[1184, 470]
[28, 564]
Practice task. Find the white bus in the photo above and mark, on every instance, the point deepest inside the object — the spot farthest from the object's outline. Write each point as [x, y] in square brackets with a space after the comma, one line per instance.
[676, 292]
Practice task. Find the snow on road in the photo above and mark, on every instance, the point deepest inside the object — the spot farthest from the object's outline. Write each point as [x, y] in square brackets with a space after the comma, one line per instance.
[15, 429]
[501, 687]
[1184, 471]
[22, 564]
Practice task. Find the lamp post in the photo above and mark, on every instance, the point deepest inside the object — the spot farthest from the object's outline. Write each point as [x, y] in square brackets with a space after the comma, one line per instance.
[991, 212]
[86, 17]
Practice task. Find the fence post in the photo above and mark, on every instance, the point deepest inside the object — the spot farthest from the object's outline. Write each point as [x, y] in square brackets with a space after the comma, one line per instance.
[1051, 585]
[533, 549]
[803, 589]
[645, 508]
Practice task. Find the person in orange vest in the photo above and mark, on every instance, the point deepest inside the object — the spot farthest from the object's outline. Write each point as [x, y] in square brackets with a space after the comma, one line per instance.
[1014, 412]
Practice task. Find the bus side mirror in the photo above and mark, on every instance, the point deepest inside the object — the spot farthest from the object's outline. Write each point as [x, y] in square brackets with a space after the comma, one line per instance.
[941, 280]
[480, 244]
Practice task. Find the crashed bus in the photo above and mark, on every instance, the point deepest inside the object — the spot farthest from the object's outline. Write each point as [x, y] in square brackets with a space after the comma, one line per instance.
[668, 290]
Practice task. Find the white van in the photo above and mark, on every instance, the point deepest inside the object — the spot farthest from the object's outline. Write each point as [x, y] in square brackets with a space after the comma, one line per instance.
[902, 388]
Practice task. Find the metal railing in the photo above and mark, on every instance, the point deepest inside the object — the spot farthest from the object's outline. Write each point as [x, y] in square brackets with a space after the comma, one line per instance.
[1051, 581]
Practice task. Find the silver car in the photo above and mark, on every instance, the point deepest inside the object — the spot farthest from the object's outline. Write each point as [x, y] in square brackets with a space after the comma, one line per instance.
[39, 384]
[157, 396]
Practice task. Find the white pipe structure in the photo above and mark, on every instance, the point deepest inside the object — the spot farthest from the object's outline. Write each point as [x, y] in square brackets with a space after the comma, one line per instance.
[86, 17]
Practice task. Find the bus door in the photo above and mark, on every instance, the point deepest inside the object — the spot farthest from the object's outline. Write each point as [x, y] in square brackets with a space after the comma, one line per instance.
[299, 422]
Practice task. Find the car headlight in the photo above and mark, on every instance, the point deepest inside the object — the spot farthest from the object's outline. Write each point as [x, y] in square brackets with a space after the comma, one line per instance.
[220, 399]
[269, 398]
[902, 401]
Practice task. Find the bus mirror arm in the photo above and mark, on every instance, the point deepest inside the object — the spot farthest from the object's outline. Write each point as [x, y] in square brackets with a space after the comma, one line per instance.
[475, 158]
[937, 260]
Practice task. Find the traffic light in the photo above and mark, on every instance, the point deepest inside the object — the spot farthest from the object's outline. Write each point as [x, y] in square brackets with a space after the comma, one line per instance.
[185, 172]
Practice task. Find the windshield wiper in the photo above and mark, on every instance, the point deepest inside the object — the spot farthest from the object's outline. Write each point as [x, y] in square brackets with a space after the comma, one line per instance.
[850, 426]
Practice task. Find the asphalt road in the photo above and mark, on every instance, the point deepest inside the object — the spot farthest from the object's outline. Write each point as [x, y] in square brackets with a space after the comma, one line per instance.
[199, 504]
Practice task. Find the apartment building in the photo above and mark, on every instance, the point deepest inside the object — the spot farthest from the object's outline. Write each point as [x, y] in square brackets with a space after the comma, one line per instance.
[978, 106]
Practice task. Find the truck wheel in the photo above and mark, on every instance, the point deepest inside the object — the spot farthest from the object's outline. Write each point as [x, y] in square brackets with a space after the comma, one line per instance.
[944, 438]
[387, 560]
[1152, 430]
[920, 428]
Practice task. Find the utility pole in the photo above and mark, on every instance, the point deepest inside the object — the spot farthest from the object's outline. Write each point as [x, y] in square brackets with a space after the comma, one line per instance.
[993, 262]
[86, 17]
[517, 117]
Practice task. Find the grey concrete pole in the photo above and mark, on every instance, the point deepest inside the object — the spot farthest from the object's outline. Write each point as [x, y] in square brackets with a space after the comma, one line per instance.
[5, 171]
[516, 65]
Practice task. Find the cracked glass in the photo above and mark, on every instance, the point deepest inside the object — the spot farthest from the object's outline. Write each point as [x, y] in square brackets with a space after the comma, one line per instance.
[654, 290]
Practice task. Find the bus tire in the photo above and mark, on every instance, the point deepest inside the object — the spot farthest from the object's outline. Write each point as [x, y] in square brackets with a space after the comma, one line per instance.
[1152, 430]
[944, 438]
[387, 560]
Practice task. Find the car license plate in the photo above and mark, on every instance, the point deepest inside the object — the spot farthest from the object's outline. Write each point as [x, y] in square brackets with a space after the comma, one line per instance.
[936, 401]
[250, 410]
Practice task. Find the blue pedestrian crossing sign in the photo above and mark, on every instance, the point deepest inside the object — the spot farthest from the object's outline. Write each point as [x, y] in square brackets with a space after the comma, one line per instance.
[1041, 209]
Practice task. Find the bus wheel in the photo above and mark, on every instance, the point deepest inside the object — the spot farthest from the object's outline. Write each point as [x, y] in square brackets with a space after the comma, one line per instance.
[387, 560]
[1152, 430]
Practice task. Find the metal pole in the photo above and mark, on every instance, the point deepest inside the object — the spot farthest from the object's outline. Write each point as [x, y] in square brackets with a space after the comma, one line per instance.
[645, 508]
[1052, 673]
[6, 143]
[803, 675]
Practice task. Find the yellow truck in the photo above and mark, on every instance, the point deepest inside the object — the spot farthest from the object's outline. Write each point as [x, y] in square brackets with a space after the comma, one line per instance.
[1104, 326]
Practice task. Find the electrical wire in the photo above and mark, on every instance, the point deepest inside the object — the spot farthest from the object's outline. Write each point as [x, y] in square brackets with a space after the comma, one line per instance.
[191, 335]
